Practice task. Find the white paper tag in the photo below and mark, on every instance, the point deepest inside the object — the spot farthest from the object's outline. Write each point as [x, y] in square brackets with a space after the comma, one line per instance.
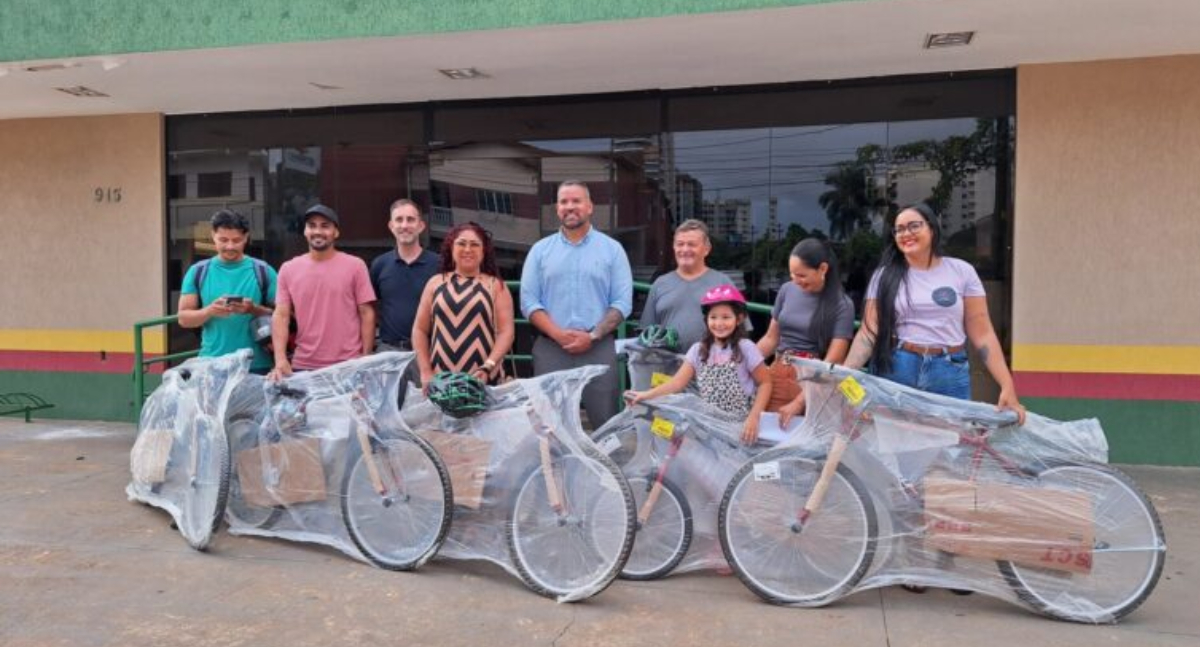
[768, 471]
[609, 444]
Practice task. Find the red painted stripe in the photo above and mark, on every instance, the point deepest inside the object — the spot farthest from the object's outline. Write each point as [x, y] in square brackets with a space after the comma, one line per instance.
[1108, 386]
[56, 362]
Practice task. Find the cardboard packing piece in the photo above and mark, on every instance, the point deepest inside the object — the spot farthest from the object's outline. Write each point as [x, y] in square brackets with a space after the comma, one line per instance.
[1026, 524]
[282, 473]
[150, 454]
[466, 458]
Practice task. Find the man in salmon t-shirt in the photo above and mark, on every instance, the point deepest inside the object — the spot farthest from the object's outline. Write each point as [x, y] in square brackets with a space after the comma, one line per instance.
[330, 293]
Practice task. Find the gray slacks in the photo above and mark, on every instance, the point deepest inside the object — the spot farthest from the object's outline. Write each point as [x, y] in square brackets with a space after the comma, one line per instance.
[600, 395]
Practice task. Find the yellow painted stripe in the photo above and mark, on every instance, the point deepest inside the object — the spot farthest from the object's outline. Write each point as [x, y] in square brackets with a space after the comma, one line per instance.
[1145, 360]
[68, 341]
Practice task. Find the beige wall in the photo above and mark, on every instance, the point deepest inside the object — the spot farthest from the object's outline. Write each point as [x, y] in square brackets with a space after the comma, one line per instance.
[68, 261]
[1107, 240]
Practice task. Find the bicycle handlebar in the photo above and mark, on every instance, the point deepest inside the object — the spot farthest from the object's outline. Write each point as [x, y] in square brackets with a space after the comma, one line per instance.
[688, 428]
[975, 414]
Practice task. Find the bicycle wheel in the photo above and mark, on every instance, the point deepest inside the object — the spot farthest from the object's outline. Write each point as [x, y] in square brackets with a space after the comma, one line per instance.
[402, 527]
[206, 486]
[780, 561]
[242, 431]
[1127, 557]
[661, 542]
[576, 552]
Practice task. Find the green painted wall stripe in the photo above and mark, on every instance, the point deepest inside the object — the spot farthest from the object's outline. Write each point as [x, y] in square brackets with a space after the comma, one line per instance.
[1153, 433]
[36, 29]
[77, 396]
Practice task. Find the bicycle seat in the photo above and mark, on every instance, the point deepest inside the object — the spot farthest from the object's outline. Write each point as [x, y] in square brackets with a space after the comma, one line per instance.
[991, 419]
[287, 391]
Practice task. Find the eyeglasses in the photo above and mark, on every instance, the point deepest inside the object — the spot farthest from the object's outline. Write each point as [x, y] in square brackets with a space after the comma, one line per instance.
[912, 228]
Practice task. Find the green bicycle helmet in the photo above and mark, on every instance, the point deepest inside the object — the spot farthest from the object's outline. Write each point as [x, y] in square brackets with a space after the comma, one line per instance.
[655, 336]
[459, 395]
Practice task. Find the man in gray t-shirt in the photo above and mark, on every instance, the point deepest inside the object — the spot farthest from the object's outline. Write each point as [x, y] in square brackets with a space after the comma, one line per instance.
[674, 299]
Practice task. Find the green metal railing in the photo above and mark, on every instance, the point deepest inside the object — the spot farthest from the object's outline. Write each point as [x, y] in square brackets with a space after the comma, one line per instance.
[140, 362]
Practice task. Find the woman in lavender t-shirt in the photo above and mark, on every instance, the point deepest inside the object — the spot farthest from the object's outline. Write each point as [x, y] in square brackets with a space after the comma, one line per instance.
[921, 309]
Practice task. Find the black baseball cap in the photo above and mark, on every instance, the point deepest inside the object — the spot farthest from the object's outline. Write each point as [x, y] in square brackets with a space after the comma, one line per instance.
[322, 210]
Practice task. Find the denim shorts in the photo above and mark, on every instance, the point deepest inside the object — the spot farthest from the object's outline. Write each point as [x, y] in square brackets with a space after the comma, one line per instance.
[946, 374]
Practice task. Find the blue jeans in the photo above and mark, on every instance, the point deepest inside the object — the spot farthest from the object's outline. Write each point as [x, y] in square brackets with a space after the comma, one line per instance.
[942, 374]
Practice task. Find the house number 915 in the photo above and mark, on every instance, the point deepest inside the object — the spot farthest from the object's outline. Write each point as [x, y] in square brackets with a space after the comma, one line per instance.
[107, 194]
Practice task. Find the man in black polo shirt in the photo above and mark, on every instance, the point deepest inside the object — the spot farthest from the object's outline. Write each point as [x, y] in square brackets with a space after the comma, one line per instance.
[399, 276]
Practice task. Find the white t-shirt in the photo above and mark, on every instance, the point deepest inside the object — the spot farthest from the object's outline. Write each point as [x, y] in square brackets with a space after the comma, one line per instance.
[929, 304]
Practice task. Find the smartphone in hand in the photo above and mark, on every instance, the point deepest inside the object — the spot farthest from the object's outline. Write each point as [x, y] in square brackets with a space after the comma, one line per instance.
[232, 300]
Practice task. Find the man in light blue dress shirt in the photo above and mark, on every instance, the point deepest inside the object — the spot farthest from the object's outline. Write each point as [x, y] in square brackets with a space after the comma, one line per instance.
[576, 288]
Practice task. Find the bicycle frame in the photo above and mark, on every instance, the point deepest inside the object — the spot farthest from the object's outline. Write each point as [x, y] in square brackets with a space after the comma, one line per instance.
[854, 415]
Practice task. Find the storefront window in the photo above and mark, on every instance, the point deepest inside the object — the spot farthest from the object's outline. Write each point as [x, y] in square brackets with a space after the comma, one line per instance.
[763, 167]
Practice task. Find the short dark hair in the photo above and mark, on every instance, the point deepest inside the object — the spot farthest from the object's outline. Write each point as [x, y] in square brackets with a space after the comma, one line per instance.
[569, 183]
[230, 219]
[405, 202]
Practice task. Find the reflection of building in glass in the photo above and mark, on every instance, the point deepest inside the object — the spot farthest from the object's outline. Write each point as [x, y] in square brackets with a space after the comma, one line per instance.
[510, 189]
[202, 182]
[774, 228]
[689, 198]
[970, 201]
[495, 185]
[728, 220]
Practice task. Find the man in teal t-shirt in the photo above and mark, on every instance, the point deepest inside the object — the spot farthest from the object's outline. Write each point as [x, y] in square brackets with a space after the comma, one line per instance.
[223, 294]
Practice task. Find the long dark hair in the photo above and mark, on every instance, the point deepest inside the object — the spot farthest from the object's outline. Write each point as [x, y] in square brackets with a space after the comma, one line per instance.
[735, 338]
[893, 272]
[812, 252]
[487, 265]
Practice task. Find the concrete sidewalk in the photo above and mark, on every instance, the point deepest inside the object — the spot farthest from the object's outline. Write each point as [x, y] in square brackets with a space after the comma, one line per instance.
[81, 565]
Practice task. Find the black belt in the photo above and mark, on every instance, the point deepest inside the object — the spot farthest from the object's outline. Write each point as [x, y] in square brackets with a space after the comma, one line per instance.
[402, 345]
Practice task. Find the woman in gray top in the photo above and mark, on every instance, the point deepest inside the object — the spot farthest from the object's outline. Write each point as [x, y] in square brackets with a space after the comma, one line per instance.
[812, 317]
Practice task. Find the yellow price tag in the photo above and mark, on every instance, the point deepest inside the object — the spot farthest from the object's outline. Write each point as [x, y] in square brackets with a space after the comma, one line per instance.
[657, 379]
[852, 390]
[662, 428]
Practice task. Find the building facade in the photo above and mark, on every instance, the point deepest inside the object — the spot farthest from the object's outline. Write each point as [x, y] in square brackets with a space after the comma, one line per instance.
[1063, 161]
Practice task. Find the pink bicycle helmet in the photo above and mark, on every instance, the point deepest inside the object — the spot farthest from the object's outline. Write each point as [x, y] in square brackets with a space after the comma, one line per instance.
[722, 294]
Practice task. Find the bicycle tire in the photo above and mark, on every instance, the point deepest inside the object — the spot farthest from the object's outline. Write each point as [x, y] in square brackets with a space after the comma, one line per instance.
[579, 555]
[811, 566]
[242, 430]
[398, 533]
[661, 543]
[1128, 557]
[205, 491]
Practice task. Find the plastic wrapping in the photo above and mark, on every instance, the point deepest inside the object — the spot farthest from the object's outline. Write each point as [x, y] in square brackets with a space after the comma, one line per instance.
[531, 491]
[325, 457]
[678, 454]
[180, 460]
[888, 485]
[649, 367]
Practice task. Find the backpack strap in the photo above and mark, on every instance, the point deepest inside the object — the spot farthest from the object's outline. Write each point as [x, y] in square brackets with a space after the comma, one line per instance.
[264, 281]
[198, 278]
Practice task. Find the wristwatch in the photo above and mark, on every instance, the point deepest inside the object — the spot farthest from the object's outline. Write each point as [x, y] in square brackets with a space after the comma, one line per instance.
[593, 336]
[489, 365]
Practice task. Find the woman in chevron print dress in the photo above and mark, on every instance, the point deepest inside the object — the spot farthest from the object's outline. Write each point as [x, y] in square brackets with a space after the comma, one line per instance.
[464, 322]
